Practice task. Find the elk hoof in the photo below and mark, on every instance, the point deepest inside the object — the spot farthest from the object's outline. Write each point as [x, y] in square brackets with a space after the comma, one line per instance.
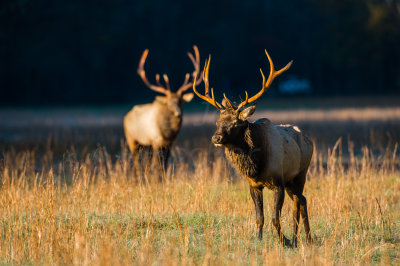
[259, 234]
[286, 242]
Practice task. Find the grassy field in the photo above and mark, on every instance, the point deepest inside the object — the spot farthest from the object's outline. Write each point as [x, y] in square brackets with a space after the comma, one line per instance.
[74, 196]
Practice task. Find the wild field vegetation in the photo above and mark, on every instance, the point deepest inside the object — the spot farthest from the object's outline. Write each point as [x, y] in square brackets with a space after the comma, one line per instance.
[85, 205]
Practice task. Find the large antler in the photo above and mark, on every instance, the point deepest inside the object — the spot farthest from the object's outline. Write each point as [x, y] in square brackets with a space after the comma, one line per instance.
[142, 74]
[272, 75]
[196, 63]
[265, 85]
[206, 97]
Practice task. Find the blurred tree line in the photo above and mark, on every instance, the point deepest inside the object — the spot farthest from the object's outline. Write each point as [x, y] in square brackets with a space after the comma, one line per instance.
[75, 52]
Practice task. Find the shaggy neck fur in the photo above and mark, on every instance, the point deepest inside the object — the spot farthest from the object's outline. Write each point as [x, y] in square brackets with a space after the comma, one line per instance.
[245, 153]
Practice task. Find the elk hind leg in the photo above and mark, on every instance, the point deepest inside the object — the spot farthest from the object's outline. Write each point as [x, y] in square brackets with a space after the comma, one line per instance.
[297, 188]
[296, 215]
[132, 144]
[306, 222]
[134, 148]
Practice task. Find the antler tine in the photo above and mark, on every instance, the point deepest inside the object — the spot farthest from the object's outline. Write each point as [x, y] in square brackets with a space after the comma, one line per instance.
[205, 75]
[206, 96]
[272, 75]
[187, 76]
[158, 80]
[243, 103]
[166, 80]
[229, 102]
[196, 63]
[207, 84]
[142, 74]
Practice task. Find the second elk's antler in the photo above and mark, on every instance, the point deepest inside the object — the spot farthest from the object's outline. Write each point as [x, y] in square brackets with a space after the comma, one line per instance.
[206, 97]
[265, 85]
[166, 89]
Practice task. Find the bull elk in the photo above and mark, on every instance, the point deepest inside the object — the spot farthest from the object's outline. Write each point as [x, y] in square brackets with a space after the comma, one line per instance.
[157, 124]
[276, 157]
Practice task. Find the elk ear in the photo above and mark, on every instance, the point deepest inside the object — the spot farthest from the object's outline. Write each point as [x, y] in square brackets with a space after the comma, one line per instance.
[246, 113]
[187, 97]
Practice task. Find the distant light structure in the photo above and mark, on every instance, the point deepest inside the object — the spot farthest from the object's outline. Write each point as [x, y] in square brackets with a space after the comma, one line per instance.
[295, 85]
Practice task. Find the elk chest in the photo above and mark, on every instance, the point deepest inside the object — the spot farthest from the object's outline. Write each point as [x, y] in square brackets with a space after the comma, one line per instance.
[168, 124]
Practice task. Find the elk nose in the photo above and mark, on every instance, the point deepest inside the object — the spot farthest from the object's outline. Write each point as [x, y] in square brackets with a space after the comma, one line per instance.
[177, 112]
[216, 139]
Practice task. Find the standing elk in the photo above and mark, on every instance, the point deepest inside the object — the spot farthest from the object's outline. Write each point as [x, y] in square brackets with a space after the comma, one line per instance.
[156, 125]
[276, 157]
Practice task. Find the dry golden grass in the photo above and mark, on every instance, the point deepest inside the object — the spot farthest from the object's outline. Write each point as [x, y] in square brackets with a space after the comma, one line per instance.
[97, 209]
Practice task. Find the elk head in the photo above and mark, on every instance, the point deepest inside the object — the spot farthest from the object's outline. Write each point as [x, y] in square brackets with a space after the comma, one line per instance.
[172, 100]
[233, 119]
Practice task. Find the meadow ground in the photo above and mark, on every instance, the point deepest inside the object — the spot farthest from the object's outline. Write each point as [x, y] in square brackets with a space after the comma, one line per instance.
[71, 194]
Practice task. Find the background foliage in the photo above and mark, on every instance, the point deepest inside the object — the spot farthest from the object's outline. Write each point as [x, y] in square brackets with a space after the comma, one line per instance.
[87, 51]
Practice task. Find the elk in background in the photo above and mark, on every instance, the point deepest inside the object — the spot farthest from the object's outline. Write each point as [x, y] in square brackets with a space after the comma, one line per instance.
[276, 157]
[157, 124]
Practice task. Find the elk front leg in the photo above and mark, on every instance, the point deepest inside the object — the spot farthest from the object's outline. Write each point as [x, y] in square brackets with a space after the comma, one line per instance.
[279, 198]
[160, 158]
[165, 152]
[160, 161]
[257, 196]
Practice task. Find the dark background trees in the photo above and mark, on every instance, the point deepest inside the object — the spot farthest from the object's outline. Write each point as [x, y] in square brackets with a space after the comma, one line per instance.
[74, 52]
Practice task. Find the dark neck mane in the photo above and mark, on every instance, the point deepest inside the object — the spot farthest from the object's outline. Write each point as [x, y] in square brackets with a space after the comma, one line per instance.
[245, 154]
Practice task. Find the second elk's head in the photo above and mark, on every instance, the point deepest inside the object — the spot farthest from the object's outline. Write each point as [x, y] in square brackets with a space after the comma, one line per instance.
[233, 118]
[173, 100]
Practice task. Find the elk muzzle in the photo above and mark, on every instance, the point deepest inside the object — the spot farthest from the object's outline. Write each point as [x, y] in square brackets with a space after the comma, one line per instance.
[217, 139]
[175, 107]
[177, 112]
